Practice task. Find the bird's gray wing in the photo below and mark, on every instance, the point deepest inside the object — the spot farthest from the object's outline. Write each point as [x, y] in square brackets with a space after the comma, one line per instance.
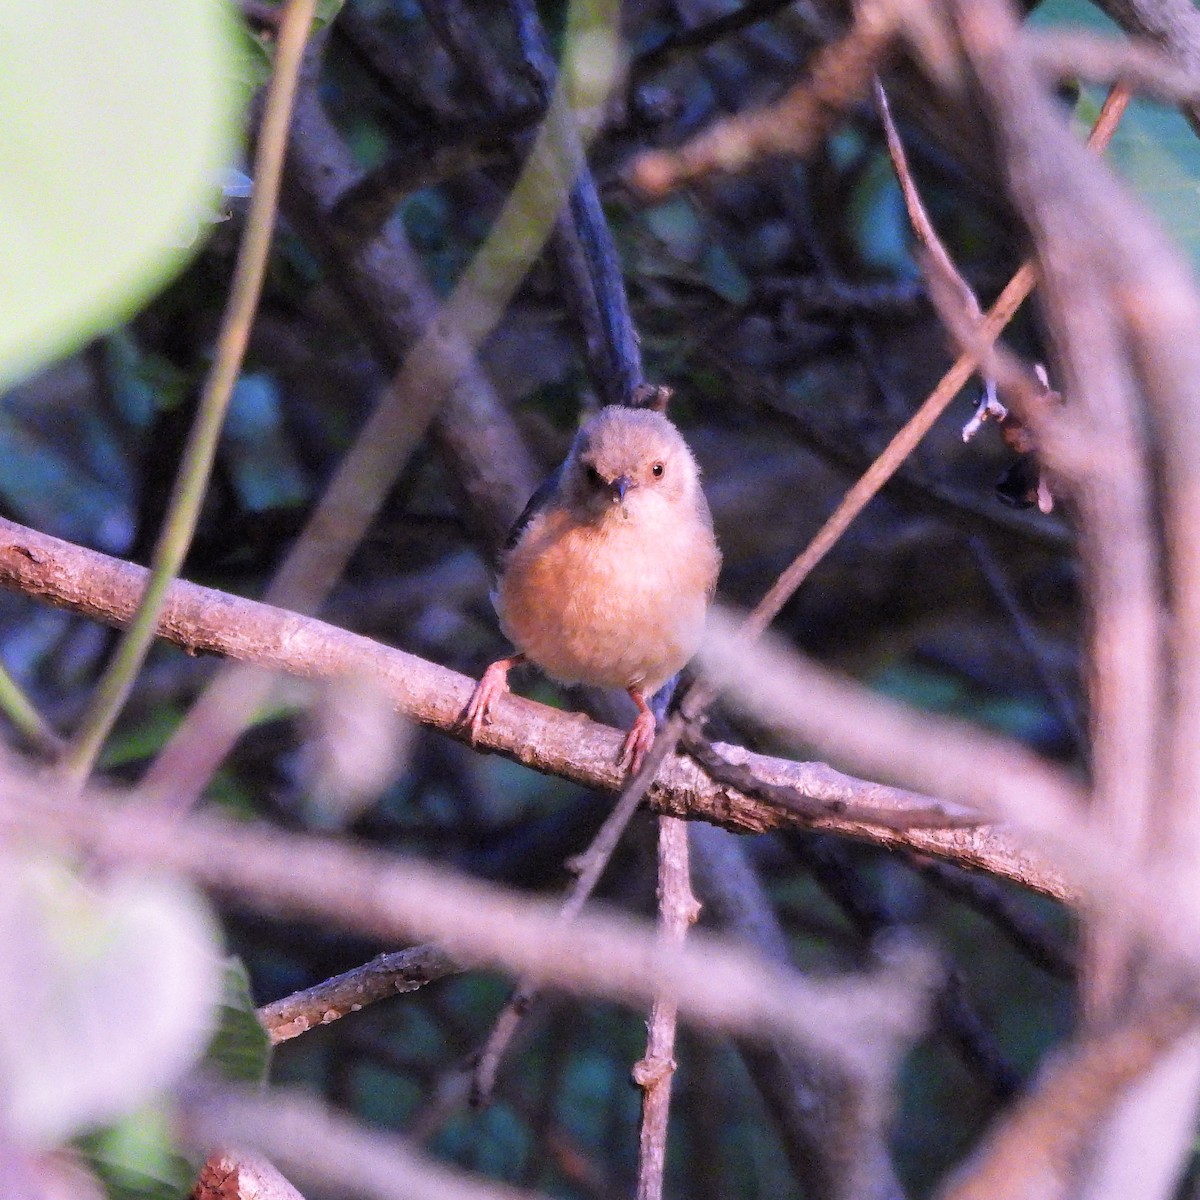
[539, 500]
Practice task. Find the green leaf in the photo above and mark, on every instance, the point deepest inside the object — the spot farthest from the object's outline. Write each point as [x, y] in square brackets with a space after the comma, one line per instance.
[135, 1158]
[326, 11]
[143, 740]
[1156, 152]
[1154, 149]
[240, 1050]
[116, 118]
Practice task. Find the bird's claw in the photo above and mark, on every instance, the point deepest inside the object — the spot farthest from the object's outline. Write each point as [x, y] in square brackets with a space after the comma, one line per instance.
[637, 742]
[488, 690]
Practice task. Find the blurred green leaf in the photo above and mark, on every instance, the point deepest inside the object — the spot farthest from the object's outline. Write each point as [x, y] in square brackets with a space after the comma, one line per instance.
[252, 60]
[135, 1158]
[1156, 152]
[142, 740]
[240, 1050]
[326, 11]
[116, 118]
[119, 983]
[1154, 149]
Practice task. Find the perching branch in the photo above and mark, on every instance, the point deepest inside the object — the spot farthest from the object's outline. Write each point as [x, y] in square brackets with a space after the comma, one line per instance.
[204, 620]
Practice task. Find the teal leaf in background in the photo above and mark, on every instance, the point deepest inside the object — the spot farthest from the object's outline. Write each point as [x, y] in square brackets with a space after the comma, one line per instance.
[1154, 149]
[724, 276]
[326, 11]
[881, 222]
[675, 224]
[115, 119]
[258, 456]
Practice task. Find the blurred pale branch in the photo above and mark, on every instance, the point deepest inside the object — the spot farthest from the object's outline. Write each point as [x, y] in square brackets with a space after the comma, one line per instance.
[717, 984]
[1041, 1149]
[323, 1148]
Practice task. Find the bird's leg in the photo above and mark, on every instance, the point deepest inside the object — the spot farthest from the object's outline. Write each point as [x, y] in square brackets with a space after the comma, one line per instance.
[640, 737]
[493, 685]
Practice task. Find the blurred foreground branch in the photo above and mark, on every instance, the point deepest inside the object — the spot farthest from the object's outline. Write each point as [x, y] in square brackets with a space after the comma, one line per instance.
[717, 985]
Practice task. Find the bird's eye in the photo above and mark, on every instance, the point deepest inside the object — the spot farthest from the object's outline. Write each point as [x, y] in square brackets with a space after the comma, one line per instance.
[593, 476]
[657, 470]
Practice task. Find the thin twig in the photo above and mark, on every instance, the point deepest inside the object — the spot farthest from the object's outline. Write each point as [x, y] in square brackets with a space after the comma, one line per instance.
[187, 497]
[841, 72]
[1001, 588]
[963, 509]
[23, 713]
[678, 910]
[918, 217]
[898, 449]
[590, 866]
[919, 813]
[384, 976]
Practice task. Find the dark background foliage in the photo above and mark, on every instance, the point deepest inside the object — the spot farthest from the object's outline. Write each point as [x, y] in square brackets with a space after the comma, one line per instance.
[785, 308]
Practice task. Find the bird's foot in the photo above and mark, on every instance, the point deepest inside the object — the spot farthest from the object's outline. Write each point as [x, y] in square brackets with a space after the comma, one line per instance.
[638, 741]
[487, 691]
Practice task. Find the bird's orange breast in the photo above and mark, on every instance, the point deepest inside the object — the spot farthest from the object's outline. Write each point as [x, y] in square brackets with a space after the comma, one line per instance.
[616, 603]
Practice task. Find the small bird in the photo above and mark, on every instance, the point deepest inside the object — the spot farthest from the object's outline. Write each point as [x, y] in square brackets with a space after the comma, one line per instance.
[607, 575]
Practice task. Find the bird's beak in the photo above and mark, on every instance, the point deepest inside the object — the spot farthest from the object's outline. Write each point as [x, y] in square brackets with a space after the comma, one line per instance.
[620, 486]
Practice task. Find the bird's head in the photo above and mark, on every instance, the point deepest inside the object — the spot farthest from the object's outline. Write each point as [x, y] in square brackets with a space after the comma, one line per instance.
[629, 461]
